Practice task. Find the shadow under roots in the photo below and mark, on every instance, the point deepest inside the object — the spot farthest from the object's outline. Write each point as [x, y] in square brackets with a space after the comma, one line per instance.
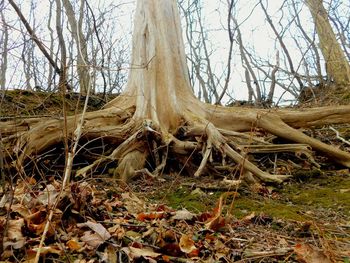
[51, 163]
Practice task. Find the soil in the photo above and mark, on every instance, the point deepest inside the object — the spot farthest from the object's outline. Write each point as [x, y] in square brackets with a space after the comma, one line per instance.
[312, 208]
[27, 103]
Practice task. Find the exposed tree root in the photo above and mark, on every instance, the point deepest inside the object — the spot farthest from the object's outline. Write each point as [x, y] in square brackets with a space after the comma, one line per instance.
[157, 117]
[139, 142]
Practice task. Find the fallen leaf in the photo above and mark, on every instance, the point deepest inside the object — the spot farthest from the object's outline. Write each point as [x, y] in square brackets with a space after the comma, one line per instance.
[97, 228]
[14, 238]
[92, 239]
[21, 210]
[150, 216]
[217, 221]
[36, 222]
[133, 204]
[4, 200]
[134, 252]
[183, 215]
[31, 253]
[73, 245]
[48, 250]
[309, 254]
[187, 244]
[203, 217]
[109, 255]
[48, 195]
[117, 231]
[81, 195]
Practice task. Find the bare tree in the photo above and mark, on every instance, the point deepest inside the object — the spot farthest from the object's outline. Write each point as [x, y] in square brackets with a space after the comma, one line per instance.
[62, 48]
[339, 16]
[249, 70]
[337, 66]
[230, 18]
[34, 37]
[4, 48]
[101, 47]
[50, 76]
[158, 116]
[315, 55]
[200, 52]
[76, 26]
[279, 36]
[27, 45]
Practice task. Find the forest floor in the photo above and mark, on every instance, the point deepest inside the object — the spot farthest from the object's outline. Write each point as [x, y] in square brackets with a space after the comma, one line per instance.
[174, 218]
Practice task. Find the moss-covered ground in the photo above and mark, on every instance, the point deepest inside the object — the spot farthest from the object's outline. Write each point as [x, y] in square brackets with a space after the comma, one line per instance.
[326, 197]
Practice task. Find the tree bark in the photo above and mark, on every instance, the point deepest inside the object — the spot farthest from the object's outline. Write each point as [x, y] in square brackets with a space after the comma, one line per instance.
[4, 40]
[337, 66]
[82, 55]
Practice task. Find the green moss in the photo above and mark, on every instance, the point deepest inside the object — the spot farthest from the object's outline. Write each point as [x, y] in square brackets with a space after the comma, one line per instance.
[184, 198]
[293, 201]
[334, 193]
[276, 209]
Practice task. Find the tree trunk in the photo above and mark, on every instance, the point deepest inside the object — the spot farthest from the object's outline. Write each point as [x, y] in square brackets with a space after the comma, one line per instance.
[337, 66]
[4, 42]
[158, 116]
[79, 38]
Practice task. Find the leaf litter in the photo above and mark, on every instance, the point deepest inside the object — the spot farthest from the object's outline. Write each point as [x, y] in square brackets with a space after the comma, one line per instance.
[94, 223]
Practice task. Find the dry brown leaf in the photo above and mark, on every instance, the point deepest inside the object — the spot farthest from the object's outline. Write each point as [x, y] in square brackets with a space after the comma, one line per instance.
[183, 215]
[36, 222]
[4, 200]
[48, 195]
[309, 254]
[97, 228]
[216, 221]
[187, 244]
[48, 250]
[92, 239]
[134, 252]
[109, 255]
[151, 216]
[14, 238]
[73, 245]
[31, 253]
[133, 204]
[221, 250]
[117, 231]
[21, 210]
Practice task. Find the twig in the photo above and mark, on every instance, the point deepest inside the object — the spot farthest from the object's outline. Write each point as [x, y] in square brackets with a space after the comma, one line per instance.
[68, 170]
[339, 137]
[251, 255]
[2, 167]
